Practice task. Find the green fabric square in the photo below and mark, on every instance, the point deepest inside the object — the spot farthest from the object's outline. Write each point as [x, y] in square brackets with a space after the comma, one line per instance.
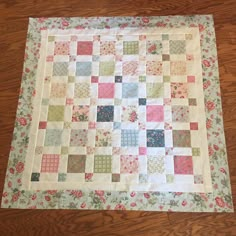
[177, 46]
[117, 101]
[60, 68]
[45, 101]
[61, 177]
[142, 78]
[51, 38]
[170, 179]
[102, 163]
[154, 90]
[166, 78]
[130, 47]
[106, 68]
[165, 37]
[64, 150]
[55, 113]
[115, 178]
[71, 79]
[196, 151]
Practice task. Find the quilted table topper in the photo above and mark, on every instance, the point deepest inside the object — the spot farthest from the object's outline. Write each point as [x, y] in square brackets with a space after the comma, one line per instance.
[119, 113]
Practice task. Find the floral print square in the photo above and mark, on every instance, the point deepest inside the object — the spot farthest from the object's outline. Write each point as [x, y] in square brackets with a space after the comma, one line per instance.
[129, 164]
[129, 114]
[103, 138]
[107, 48]
[79, 137]
[154, 47]
[156, 164]
[105, 113]
[80, 113]
[183, 165]
[62, 48]
[154, 68]
[155, 138]
[179, 90]
[181, 138]
[180, 113]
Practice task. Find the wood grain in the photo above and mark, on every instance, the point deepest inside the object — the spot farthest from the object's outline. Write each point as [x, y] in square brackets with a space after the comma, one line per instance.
[13, 27]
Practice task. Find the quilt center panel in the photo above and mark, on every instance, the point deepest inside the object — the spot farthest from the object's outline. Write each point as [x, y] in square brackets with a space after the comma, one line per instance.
[119, 110]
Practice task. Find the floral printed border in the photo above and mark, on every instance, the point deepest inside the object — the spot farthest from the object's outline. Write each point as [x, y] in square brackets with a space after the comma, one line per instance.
[218, 201]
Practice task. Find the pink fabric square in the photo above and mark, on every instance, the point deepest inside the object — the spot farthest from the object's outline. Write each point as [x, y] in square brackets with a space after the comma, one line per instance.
[42, 124]
[94, 79]
[155, 113]
[191, 79]
[50, 163]
[85, 48]
[142, 150]
[106, 90]
[183, 165]
[92, 125]
[193, 126]
[69, 101]
[50, 58]
[167, 101]
[129, 164]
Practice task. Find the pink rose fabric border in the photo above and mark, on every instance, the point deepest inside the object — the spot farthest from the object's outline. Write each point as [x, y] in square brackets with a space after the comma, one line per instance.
[218, 201]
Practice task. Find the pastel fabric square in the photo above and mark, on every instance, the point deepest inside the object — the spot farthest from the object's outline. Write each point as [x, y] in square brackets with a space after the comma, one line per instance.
[130, 47]
[82, 90]
[105, 113]
[58, 90]
[83, 68]
[129, 164]
[154, 90]
[62, 48]
[80, 113]
[154, 68]
[155, 138]
[84, 48]
[183, 165]
[179, 90]
[50, 163]
[60, 68]
[129, 90]
[107, 48]
[130, 68]
[155, 113]
[102, 163]
[177, 46]
[56, 113]
[129, 138]
[79, 137]
[154, 47]
[106, 90]
[53, 137]
[180, 113]
[129, 114]
[156, 164]
[181, 138]
[106, 68]
[103, 138]
[178, 68]
[76, 163]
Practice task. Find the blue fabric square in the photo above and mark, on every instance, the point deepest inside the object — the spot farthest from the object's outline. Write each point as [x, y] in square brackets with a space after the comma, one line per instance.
[53, 137]
[129, 138]
[83, 68]
[116, 125]
[155, 138]
[142, 101]
[129, 90]
[105, 113]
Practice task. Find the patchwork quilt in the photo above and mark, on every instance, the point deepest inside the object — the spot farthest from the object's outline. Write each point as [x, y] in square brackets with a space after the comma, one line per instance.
[119, 113]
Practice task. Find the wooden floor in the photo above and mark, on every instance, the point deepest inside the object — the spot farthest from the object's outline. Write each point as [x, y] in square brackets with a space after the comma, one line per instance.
[13, 27]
